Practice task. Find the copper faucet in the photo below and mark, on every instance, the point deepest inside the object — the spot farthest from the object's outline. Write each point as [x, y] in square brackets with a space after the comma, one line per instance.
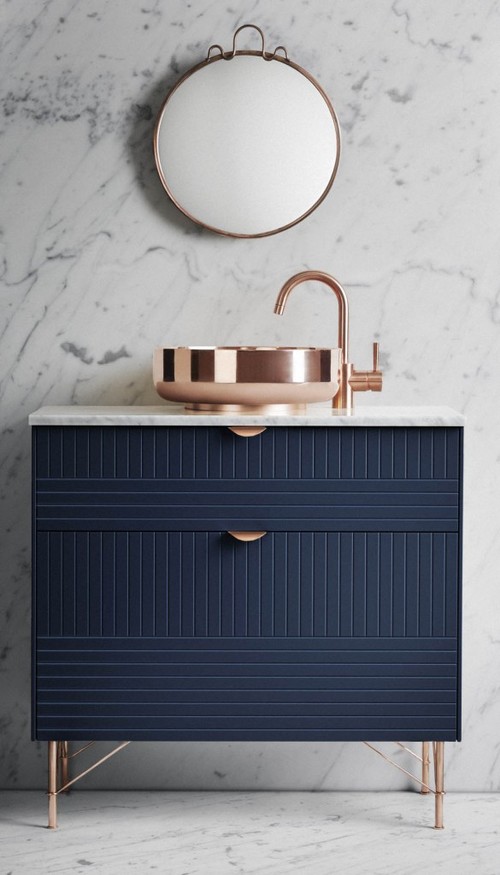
[350, 380]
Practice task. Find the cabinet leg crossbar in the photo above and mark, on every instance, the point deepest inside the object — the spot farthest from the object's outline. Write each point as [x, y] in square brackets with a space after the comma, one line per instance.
[59, 757]
[438, 756]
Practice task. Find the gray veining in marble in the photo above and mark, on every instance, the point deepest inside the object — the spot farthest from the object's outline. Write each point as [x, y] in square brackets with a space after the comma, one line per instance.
[250, 834]
[97, 268]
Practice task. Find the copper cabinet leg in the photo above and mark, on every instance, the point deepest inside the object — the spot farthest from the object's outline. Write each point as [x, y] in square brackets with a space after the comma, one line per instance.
[59, 762]
[425, 766]
[438, 751]
[64, 765]
[52, 784]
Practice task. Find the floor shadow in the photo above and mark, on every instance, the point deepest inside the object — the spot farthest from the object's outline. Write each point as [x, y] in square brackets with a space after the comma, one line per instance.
[14, 821]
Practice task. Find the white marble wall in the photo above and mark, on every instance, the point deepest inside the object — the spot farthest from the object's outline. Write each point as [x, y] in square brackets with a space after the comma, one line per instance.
[97, 268]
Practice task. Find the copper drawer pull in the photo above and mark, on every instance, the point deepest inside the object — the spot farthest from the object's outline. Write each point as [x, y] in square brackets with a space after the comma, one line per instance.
[247, 536]
[247, 430]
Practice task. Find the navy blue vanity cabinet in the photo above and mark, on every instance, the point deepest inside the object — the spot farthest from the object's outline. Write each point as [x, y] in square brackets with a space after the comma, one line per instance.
[152, 622]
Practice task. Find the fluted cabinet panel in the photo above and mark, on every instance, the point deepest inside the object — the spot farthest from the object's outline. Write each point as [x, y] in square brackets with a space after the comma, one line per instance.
[279, 505]
[151, 621]
[189, 584]
[216, 453]
[248, 690]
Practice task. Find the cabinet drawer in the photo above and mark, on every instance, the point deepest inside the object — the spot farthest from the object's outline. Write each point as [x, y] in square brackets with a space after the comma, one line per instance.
[215, 453]
[288, 584]
[287, 479]
[247, 689]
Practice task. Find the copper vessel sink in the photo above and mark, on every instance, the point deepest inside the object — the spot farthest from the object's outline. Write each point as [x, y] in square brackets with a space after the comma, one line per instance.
[246, 378]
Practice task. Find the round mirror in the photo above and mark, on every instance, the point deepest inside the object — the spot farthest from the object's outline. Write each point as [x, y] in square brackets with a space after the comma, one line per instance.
[247, 143]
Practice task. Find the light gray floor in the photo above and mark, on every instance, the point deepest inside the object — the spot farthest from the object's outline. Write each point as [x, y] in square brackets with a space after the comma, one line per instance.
[181, 833]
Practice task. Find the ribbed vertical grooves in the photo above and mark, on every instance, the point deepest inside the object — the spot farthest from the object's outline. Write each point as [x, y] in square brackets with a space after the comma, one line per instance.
[202, 452]
[378, 584]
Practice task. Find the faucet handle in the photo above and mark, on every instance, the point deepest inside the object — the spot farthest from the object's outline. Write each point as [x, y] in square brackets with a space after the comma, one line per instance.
[367, 381]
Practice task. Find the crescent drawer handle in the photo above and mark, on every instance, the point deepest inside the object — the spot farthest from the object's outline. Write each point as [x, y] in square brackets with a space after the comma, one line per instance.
[247, 536]
[247, 430]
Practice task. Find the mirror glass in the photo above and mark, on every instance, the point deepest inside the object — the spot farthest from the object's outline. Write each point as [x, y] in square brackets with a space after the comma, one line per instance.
[247, 146]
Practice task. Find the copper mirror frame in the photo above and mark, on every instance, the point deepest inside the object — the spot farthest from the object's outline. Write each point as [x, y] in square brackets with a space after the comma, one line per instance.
[269, 57]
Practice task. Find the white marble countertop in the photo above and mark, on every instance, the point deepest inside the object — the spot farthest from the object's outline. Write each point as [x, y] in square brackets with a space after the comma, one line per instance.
[174, 414]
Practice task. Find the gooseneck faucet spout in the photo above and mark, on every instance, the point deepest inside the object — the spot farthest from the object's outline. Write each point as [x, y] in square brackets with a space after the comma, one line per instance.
[331, 282]
[350, 380]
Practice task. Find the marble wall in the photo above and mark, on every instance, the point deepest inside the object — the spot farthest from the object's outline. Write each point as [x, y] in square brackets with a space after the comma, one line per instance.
[97, 268]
